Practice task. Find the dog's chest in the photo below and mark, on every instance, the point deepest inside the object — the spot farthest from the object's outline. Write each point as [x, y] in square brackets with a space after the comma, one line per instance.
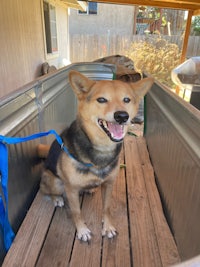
[99, 172]
[84, 181]
[88, 178]
[93, 183]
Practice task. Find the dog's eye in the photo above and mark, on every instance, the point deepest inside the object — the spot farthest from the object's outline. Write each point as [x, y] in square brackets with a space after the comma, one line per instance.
[126, 100]
[102, 100]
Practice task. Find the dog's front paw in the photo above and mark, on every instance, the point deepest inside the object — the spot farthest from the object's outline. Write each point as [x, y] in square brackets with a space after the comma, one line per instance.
[84, 234]
[58, 201]
[109, 230]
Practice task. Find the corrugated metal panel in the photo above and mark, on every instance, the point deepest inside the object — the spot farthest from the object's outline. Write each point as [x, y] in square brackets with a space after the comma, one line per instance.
[173, 138]
[47, 103]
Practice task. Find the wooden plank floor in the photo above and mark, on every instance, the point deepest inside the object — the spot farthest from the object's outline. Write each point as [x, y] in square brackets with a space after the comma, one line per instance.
[47, 236]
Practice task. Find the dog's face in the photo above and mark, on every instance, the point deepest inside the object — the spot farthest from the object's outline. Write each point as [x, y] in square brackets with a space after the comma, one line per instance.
[106, 108]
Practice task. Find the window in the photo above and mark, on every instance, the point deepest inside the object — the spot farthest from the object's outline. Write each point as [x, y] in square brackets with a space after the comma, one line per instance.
[91, 9]
[50, 27]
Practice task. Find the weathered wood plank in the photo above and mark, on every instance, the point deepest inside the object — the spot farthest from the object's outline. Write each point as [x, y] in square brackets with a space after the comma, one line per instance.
[59, 241]
[30, 237]
[47, 238]
[85, 254]
[168, 250]
[116, 252]
[143, 237]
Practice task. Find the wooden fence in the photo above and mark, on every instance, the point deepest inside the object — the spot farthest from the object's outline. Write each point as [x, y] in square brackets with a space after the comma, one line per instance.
[90, 47]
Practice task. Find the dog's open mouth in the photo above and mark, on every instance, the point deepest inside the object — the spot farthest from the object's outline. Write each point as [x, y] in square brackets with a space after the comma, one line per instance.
[114, 130]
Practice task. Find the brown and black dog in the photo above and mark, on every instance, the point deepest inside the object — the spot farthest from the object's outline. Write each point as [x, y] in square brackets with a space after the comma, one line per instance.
[94, 141]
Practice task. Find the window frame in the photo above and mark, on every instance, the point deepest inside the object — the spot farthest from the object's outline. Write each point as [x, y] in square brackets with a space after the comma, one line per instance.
[50, 30]
[87, 12]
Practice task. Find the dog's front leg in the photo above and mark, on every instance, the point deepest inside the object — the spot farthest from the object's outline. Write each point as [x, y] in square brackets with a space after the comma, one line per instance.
[83, 233]
[106, 191]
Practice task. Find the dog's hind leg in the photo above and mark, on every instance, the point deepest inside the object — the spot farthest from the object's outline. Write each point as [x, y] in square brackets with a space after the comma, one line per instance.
[53, 187]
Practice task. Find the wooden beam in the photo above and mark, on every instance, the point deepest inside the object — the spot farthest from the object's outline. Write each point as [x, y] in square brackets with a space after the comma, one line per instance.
[193, 2]
[183, 5]
[185, 42]
[196, 12]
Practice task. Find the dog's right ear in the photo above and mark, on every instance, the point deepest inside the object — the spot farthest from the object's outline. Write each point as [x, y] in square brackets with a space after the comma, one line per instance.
[80, 83]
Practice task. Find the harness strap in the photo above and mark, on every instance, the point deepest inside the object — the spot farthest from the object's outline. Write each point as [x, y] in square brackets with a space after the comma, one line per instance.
[8, 233]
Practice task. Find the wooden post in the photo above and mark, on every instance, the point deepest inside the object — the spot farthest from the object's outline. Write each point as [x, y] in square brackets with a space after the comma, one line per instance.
[185, 41]
[135, 19]
[186, 36]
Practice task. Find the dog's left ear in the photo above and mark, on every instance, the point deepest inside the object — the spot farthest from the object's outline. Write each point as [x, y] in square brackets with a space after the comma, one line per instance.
[80, 83]
[143, 86]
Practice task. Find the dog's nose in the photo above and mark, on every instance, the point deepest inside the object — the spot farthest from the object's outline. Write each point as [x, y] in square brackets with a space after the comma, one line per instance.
[121, 116]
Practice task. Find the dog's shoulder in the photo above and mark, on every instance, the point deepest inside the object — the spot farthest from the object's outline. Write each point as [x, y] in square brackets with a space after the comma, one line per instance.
[52, 158]
[77, 141]
[54, 154]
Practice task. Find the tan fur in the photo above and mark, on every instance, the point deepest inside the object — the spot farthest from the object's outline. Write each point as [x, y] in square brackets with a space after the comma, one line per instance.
[42, 150]
[89, 111]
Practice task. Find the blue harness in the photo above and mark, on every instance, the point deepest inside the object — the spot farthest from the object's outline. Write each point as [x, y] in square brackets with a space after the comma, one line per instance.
[8, 234]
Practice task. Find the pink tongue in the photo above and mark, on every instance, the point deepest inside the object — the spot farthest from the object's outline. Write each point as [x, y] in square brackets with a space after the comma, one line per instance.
[116, 130]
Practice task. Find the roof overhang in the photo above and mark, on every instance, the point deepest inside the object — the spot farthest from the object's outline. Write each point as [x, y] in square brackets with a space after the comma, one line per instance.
[192, 5]
[80, 5]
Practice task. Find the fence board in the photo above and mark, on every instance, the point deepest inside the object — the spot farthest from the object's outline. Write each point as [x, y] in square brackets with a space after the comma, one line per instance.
[88, 47]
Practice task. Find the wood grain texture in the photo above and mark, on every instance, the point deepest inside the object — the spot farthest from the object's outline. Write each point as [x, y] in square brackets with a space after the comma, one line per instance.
[59, 240]
[30, 237]
[85, 254]
[116, 252]
[143, 237]
[47, 236]
[168, 250]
